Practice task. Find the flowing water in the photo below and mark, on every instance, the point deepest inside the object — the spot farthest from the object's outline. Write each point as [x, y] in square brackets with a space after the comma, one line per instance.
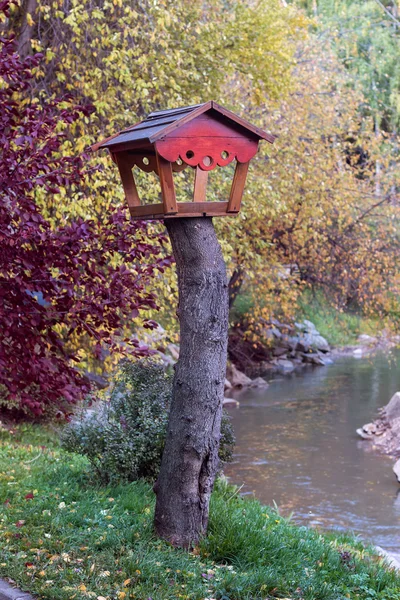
[296, 445]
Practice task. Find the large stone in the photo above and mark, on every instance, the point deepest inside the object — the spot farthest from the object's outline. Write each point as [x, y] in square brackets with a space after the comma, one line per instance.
[366, 340]
[173, 349]
[303, 345]
[391, 558]
[363, 434]
[309, 326]
[230, 403]
[314, 358]
[312, 340]
[289, 341]
[236, 377]
[275, 332]
[8, 592]
[279, 351]
[392, 410]
[259, 382]
[326, 360]
[285, 366]
[166, 359]
[227, 385]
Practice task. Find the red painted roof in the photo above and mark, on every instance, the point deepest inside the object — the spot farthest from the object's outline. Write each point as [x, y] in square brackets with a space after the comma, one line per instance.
[161, 123]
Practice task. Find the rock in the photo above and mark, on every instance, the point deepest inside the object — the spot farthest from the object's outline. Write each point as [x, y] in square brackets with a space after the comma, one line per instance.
[259, 382]
[396, 469]
[392, 559]
[327, 361]
[314, 359]
[392, 410]
[363, 435]
[227, 385]
[303, 345]
[319, 342]
[236, 377]
[230, 403]
[166, 359]
[173, 349]
[310, 327]
[279, 351]
[312, 340]
[291, 342]
[153, 336]
[268, 334]
[275, 332]
[357, 353]
[366, 340]
[267, 366]
[285, 366]
[370, 428]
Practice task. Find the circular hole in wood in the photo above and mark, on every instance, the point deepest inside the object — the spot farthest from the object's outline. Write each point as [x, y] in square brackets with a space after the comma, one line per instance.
[224, 154]
[207, 161]
[146, 160]
[189, 154]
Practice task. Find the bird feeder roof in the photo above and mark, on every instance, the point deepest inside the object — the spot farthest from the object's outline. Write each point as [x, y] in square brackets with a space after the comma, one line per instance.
[160, 124]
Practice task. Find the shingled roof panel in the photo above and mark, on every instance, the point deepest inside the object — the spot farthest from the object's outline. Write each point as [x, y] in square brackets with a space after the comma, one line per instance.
[172, 111]
[153, 123]
[133, 136]
[152, 127]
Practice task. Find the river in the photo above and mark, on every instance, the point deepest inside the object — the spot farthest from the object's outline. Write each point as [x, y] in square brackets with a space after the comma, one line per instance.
[296, 445]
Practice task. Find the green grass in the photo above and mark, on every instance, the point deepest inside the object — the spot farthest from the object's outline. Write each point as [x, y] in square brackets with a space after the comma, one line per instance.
[77, 540]
[339, 328]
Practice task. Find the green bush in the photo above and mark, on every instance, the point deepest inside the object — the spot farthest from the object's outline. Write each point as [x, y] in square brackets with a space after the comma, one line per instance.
[123, 438]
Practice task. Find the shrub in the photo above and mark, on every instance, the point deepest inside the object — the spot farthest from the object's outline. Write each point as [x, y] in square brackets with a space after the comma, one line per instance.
[124, 437]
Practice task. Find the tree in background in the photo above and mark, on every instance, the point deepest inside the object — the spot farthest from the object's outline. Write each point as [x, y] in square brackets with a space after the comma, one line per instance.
[81, 277]
[365, 35]
[311, 216]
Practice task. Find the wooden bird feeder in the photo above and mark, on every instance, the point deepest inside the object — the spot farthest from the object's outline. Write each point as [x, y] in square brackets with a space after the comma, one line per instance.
[203, 137]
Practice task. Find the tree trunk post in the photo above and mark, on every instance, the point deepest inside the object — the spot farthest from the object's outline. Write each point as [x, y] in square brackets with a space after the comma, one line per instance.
[190, 461]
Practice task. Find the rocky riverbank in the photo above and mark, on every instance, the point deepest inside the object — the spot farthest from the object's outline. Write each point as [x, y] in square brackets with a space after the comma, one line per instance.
[384, 432]
[278, 348]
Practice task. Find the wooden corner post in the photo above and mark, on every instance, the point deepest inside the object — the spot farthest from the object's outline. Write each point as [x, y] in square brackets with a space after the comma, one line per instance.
[167, 185]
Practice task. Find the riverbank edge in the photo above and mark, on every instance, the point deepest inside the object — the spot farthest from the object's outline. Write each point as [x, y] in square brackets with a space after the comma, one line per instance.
[256, 372]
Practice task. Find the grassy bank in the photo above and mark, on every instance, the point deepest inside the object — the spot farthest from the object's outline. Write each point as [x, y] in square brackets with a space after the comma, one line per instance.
[339, 328]
[64, 537]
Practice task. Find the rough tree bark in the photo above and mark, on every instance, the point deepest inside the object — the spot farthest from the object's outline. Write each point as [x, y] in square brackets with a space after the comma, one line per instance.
[190, 460]
[26, 30]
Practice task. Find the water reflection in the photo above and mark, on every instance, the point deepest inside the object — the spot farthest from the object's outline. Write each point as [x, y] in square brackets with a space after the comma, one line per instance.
[297, 446]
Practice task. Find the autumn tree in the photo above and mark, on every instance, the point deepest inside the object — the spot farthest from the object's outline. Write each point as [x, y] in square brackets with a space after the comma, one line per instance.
[81, 277]
[311, 217]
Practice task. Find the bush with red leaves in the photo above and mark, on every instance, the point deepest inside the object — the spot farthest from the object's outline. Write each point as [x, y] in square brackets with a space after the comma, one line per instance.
[70, 274]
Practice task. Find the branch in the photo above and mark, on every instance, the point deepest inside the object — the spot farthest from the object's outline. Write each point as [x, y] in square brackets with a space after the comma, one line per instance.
[388, 13]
